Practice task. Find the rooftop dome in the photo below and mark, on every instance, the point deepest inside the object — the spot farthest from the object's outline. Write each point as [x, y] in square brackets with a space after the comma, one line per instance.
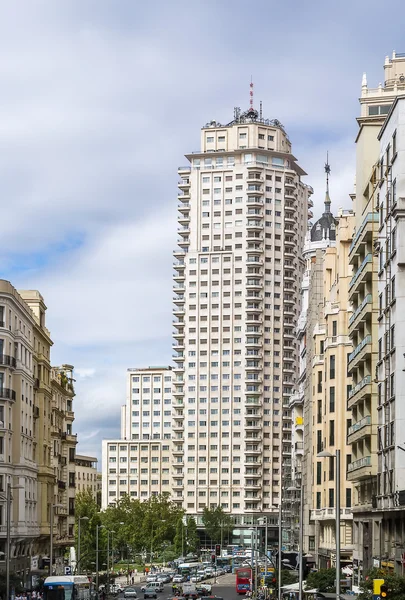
[325, 227]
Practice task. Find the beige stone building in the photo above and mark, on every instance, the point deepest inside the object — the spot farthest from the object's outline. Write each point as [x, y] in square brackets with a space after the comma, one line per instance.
[35, 433]
[63, 460]
[86, 474]
[19, 426]
[331, 419]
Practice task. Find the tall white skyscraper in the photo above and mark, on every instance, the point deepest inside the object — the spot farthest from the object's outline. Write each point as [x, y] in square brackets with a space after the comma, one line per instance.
[243, 213]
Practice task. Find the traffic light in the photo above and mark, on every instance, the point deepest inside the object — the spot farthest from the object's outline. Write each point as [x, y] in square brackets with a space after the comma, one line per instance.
[213, 559]
[384, 591]
[218, 550]
[377, 583]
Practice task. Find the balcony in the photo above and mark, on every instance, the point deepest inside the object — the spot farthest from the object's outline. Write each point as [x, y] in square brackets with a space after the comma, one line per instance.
[359, 353]
[254, 225]
[361, 312]
[363, 468]
[7, 361]
[183, 171]
[359, 430]
[361, 390]
[7, 393]
[299, 448]
[365, 228]
[255, 200]
[35, 412]
[249, 414]
[61, 484]
[364, 272]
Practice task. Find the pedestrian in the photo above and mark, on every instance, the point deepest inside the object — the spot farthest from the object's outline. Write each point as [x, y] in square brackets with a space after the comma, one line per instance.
[132, 580]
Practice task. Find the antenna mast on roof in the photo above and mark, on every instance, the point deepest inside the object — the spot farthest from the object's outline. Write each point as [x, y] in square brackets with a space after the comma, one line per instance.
[261, 110]
[251, 94]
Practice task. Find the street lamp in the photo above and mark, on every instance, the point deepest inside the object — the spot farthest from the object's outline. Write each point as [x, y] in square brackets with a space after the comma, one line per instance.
[8, 498]
[53, 506]
[78, 565]
[326, 454]
[108, 556]
[98, 527]
[280, 543]
[300, 539]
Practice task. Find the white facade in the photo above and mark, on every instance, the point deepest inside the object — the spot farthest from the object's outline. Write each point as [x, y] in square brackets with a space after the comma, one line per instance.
[138, 465]
[242, 223]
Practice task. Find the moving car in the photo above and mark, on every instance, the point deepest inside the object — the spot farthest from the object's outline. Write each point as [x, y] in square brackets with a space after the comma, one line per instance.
[149, 594]
[204, 589]
[151, 578]
[178, 579]
[156, 586]
[130, 592]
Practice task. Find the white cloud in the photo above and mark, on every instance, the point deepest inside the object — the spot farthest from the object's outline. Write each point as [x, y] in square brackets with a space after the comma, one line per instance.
[99, 102]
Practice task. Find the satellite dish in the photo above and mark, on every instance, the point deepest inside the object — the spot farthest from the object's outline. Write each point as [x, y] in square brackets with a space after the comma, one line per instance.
[402, 78]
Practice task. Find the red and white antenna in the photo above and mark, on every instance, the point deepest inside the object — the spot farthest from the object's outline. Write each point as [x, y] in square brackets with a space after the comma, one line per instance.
[251, 94]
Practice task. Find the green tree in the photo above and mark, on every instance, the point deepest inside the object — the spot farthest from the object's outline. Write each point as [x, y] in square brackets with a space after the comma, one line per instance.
[287, 578]
[179, 537]
[15, 582]
[322, 580]
[394, 583]
[217, 524]
[192, 536]
[86, 506]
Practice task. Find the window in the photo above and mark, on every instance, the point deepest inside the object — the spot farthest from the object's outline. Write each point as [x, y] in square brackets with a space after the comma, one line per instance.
[331, 433]
[348, 497]
[318, 472]
[210, 139]
[331, 498]
[334, 328]
[332, 400]
[379, 109]
[318, 500]
[332, 362]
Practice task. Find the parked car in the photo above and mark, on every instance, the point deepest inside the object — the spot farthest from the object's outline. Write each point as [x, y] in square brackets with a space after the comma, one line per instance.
[149, 594]
[115, 588]
[130, 592]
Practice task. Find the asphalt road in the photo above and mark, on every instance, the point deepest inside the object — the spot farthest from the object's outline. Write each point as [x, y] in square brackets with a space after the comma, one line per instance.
[224, 588]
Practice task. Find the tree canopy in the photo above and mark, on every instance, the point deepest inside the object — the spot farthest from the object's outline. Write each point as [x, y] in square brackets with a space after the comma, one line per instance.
[216, 521]
[322, 580]
[394, 583]
[139, 528]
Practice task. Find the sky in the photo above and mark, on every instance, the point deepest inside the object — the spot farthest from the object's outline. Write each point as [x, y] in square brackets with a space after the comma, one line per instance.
[99, 102]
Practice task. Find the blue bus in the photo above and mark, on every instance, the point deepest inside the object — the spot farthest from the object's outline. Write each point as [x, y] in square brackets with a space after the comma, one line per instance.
[67, 587]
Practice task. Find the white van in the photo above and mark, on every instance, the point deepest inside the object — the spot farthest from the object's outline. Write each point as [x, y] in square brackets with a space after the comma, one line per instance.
[155, 586]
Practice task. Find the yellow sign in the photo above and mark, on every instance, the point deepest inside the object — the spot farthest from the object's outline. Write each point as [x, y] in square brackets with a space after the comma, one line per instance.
[377, 583]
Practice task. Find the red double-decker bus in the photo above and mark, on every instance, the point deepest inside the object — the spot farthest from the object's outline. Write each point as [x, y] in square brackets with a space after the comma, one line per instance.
[243, 580]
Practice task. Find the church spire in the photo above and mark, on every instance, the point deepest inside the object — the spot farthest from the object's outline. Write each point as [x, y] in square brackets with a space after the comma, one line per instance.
[327, 197]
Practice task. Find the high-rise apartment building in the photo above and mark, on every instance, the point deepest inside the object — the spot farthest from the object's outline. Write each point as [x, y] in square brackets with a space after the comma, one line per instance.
[140, 463]
[373, 362]
[243, 212]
